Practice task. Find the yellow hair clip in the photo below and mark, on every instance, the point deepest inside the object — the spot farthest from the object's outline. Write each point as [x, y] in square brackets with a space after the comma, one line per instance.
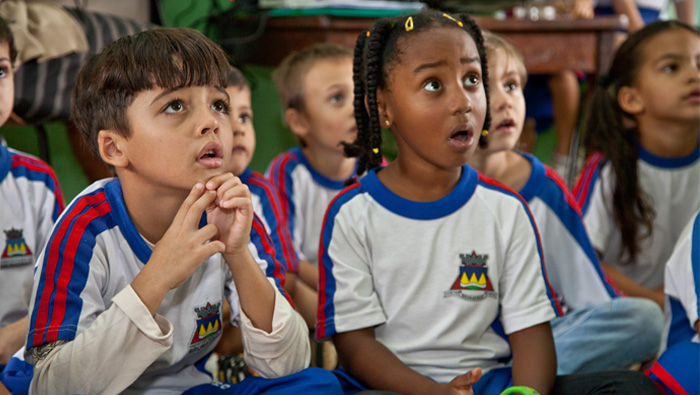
[453, 19]
[375, 150]
[409, 24]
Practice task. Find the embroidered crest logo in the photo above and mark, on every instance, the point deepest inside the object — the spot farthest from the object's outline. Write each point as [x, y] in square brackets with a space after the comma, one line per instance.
[473, 282]
[208, 326]
[16, 252]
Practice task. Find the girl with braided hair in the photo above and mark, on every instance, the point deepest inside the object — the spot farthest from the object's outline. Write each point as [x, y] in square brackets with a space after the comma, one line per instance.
[430, 273]
[641, 181]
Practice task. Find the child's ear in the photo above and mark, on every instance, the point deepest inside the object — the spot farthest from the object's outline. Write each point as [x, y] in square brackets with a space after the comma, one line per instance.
[111, 147]
[383, 109]
[297, 122]
[630, 100]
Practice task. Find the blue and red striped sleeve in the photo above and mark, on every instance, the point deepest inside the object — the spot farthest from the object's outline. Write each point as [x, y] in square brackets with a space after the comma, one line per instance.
[36, 170]
[276, 220]
[266, 251]
[586, 182]
[64, 269]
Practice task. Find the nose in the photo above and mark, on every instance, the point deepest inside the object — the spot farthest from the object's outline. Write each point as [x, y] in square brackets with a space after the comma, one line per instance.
[238, 129]
[499, 99]
[460, 102]
[208, 123]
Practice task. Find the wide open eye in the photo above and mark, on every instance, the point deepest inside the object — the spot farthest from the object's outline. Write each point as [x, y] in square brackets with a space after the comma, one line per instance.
[472, 80]
[432, 86]
[174, 107]
[220, 106]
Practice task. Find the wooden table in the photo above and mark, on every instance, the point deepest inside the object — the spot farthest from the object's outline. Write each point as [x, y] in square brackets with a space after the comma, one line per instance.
[547, 46]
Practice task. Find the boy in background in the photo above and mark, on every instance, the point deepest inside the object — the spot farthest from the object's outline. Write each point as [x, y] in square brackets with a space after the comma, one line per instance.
[266, 205]
[30, 203]
[137, 269]
[316, 88]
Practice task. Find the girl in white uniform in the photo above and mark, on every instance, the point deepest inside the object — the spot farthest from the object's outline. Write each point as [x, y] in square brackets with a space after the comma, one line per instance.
[641, 182]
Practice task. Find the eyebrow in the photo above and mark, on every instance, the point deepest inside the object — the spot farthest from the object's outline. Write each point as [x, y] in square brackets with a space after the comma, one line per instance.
[424, 66]
[171, 90]
[668, 56]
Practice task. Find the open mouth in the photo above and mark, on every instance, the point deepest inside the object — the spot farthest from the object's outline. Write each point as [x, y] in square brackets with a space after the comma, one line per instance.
[505, 124]
[694, 96]
[211, 155]
[462, 137]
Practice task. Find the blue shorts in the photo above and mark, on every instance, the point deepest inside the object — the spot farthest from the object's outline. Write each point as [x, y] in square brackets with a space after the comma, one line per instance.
[677, 369]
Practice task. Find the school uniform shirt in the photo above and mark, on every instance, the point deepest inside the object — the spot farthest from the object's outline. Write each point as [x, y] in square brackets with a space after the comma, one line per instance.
[304, 195]
[573, 267]
[267, 207]
[30, 203]
[442, 282]
[82, 296]
[682, 287]
[657, 5]
[673, 188]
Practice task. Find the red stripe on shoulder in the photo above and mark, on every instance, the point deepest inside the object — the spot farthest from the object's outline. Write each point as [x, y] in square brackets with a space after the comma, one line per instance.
[52, 253]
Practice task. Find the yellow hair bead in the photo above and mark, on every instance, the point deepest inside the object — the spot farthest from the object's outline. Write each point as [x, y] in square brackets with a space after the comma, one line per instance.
[484, 132]
[409, 24]
[453, 19]
[367, 33]
[375, 150]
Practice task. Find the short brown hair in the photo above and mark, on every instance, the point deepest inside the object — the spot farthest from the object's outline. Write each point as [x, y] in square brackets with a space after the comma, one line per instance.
[7, 37]
[236, 78]
[493, 41]
[289, 76]
[168, 58]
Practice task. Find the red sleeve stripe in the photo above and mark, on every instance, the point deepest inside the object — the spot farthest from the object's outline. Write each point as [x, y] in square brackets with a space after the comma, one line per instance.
[52, 253]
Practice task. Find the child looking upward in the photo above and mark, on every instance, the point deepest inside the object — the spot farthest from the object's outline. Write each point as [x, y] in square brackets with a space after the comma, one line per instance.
[136, 270]
[594, 312]
[642, 176]
[315, 85]
[430, 272]
[30, 203]
[265, 196]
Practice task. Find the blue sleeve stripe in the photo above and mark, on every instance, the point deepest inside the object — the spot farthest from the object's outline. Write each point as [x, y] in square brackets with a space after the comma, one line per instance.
[325, 322]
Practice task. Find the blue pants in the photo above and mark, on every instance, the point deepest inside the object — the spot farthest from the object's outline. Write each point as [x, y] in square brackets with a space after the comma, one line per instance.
[308, 381]
[613, 335]
[16, 376]
[677, 370]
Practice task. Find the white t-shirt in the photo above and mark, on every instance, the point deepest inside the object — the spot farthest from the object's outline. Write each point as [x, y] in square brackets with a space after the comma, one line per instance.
[682, 287]
[93, 255]
[443, 282]
[30, 202]
[304, 195]
[673, 188]
[573, 267]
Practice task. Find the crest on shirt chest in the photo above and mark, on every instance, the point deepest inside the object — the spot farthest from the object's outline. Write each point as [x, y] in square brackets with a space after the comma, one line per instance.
[208, 326]
[472, 282]
[16, 251]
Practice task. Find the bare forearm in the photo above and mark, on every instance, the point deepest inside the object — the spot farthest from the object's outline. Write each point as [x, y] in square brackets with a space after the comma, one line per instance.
[631, 288]
[369, 361]
[12, 338]
[629, 8]
[685, 11]
[255, 292]
[308, 273]
[534, 358]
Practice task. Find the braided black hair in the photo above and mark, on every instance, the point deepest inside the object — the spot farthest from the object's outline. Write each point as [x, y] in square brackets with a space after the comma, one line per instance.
[608, 131]
[376, 53]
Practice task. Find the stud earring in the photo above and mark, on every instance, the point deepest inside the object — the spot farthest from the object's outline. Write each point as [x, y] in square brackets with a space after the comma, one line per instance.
[387, 123]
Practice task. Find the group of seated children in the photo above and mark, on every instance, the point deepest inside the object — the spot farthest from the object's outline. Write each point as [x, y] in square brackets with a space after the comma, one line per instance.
[460, 267]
